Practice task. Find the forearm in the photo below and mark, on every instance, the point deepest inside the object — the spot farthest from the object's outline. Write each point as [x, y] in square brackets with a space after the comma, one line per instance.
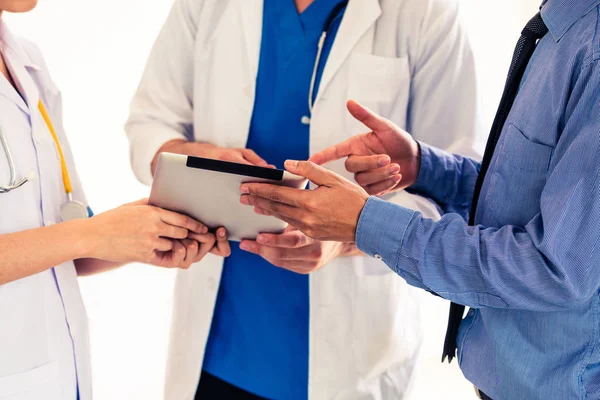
[510, 267]
[92, 266]
[179, 146]
[32, 251]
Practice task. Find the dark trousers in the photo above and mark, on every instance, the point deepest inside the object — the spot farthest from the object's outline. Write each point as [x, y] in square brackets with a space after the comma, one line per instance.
[212, 388]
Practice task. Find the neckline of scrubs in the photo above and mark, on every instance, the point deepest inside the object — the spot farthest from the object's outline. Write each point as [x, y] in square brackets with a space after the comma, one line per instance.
[298, 28]
[315, 15]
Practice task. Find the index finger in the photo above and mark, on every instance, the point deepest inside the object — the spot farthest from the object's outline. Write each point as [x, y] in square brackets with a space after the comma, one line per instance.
[291, 240]
[356, 164]
[371, 120]
[277, 194]
[183, 221]
[254, 158]
[333, 153]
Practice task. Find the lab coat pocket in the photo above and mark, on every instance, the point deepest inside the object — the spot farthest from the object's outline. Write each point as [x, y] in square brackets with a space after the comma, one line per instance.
[39, 383]
[380, 83]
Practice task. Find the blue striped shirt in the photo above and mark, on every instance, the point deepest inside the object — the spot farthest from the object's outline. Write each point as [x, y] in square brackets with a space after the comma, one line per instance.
[530, 269]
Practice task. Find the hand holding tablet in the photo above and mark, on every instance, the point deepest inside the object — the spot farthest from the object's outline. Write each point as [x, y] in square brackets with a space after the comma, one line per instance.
[209, 191]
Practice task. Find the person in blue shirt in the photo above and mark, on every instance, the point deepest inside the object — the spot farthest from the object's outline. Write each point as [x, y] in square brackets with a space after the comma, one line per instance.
[233, 80]
[527, 262]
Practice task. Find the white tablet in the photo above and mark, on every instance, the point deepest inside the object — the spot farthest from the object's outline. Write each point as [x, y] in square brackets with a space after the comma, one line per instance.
[209, 191]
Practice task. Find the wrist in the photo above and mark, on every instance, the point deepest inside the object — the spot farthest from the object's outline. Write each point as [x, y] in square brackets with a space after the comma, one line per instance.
[350, 250]
[177, 146]
[84, 241]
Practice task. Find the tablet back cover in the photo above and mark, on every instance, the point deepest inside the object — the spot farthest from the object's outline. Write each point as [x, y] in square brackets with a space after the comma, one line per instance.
[209, 191]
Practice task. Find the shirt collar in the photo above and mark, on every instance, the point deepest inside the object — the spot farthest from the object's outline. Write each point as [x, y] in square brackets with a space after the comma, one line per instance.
[561, 15]
[11, 43]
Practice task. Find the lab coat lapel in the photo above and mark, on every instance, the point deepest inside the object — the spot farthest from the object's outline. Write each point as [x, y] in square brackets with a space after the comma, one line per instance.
[360, 15]
[22, 67]
[25, 83]
[252, 21]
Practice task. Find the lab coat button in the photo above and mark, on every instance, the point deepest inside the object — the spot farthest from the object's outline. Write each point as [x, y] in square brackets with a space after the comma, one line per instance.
[378, 257]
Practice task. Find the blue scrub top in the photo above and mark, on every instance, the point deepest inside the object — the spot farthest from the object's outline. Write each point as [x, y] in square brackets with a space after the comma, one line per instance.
[259, 335]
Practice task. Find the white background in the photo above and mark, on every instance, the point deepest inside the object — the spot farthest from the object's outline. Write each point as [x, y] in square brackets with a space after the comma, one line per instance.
[96, 51]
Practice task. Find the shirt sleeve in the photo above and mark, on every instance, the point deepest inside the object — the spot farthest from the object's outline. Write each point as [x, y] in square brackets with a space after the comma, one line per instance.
[549, 264]
[162, 108]
[448, 179]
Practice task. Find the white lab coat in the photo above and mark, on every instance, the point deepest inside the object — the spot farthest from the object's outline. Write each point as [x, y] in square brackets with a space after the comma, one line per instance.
[406, 59]
[44, 347]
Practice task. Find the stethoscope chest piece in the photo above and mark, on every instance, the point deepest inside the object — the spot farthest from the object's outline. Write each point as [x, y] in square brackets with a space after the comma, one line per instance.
[73, 210]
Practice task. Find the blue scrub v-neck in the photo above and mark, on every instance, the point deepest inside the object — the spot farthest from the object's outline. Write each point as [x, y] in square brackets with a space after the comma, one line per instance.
[259, 334]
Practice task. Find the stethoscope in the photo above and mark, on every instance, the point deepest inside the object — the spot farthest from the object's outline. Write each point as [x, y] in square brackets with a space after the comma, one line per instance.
[72, 209]
[326, 28]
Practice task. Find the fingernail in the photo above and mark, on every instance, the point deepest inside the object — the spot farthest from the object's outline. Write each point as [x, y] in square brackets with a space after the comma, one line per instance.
[222, 233]
[383, 161]
[262, 239]
[397, 178]
[259, 211]
[291, 164]
[394, 169]
[245, 200]
[244, 189]
[244, 246]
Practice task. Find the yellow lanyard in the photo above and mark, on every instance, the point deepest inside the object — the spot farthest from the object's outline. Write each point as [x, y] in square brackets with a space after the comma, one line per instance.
[61, 156]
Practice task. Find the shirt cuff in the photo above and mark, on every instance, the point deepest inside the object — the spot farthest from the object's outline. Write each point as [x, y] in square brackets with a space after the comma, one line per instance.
[425, 177]
[381, 229]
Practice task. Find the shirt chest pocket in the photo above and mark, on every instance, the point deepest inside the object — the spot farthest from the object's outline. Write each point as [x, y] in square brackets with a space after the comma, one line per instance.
[518, 179]
[380, 83]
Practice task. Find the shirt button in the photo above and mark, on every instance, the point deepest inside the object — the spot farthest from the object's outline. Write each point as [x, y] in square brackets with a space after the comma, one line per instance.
[378, 257]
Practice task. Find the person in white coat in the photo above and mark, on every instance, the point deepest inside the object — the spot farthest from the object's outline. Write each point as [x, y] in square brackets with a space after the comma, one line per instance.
[240, 80]
[48, 237]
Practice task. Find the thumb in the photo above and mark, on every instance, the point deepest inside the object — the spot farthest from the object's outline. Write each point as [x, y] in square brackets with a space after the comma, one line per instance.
[313, 172]
[373, 121]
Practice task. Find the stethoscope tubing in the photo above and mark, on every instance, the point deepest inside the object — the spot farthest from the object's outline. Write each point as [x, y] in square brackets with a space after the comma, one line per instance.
[13, 184]
[326, 28]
